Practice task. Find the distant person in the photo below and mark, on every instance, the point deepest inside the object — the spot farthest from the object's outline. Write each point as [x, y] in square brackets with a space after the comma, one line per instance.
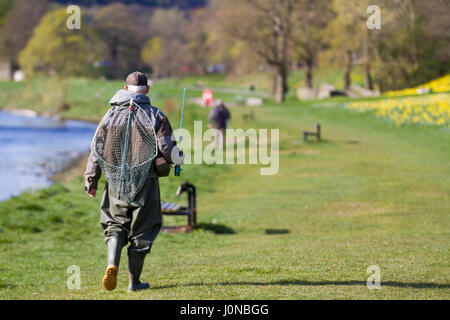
[219, 117]
[136, 220]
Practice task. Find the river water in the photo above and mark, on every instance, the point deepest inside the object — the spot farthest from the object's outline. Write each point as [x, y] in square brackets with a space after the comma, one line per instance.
[32, 149]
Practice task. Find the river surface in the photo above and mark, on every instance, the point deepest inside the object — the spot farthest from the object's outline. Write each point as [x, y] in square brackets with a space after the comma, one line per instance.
[32, 149]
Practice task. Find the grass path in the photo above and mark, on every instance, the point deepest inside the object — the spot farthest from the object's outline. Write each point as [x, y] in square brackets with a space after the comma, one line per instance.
[369, 194]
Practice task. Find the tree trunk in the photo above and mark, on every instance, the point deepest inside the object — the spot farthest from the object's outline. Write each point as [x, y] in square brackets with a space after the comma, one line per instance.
[309, 73]
[285, 84]
[348, 71]
[280, 85]
[279, 94]
[368, 76]
[155, 73]
[273, 88]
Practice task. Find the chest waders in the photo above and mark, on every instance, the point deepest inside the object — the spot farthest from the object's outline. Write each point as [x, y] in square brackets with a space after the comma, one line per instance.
[125, 144]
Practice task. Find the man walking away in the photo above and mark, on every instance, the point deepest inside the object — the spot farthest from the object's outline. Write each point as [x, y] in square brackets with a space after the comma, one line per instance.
[219, 118]
[132, 216]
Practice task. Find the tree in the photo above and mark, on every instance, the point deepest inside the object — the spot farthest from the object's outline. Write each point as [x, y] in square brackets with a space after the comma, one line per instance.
[211, 42]
[345, 34]
[5, 8]
[414, 47]
[123, 38]
[153, 55]
[167, 28]
[198, 39]
[311, 18]
[54, 49]
[266, 28]
[18, 20]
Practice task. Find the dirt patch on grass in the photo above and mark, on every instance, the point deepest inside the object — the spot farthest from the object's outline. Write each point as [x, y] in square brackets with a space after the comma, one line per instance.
[306, 152]
[436, 195]
[352, 209]
[312, 175]
[309, 152]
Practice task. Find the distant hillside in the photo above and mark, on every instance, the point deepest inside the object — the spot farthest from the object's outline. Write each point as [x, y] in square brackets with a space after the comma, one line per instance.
[184, 4]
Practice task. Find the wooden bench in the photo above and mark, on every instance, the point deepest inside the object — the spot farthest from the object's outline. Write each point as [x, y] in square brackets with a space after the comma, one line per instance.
[248, 116]
[315, 134]
[175, 209]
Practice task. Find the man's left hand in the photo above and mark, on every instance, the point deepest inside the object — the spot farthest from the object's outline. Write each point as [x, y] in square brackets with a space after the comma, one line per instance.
[92, 193]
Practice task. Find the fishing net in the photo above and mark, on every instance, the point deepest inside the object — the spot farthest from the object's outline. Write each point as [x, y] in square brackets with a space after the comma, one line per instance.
[125, 145]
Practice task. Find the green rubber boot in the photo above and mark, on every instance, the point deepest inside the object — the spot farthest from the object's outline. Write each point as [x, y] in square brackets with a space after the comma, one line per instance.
[135, 265]
[114, 246]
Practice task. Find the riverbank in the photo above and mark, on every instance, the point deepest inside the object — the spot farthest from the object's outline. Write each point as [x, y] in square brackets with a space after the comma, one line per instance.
[35, 148]
[21, 112]
[33, 114]
[73, 169]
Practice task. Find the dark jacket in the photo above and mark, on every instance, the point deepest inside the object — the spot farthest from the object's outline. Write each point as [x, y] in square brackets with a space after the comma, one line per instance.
[219, 115]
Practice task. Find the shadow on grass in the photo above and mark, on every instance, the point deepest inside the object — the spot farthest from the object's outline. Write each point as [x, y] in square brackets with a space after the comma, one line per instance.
[314, 141]
[415, 285]
[277, 231]
[7, 285]
[215, 228]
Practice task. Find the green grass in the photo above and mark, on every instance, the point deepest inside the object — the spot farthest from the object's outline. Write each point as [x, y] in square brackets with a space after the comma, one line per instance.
[369, 194]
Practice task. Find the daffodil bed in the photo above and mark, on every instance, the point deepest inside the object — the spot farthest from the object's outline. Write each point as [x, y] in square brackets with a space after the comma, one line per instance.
[439, 85]
[421, 110]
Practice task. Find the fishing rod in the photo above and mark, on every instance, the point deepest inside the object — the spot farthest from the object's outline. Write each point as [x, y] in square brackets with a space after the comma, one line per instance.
[177, 167]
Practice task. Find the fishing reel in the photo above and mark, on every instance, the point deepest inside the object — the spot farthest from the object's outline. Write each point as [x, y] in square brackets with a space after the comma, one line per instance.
[177, 167]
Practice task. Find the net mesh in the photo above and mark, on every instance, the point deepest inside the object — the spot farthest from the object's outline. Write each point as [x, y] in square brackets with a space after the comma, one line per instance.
[125, 145]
